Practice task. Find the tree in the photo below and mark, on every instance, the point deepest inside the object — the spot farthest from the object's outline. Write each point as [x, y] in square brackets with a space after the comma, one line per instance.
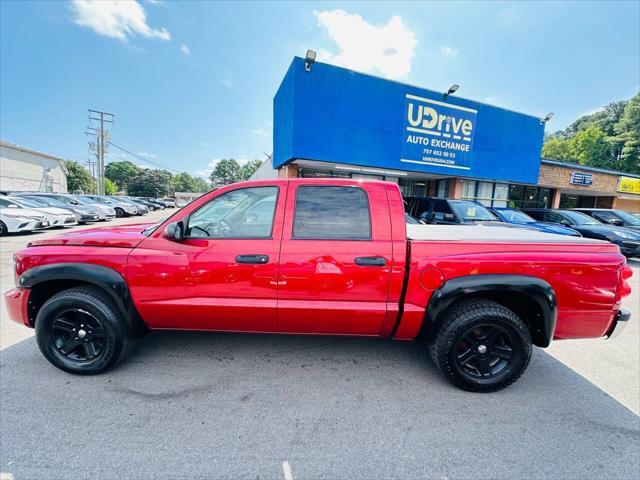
[109, 187]
[608, 138]
[225, 172]
[202, 186]
[628, 135]
[78, 178]
[183, 182]
[590, 147]
[556, 149]
[151, 183]
[249, 169]
[121, 173]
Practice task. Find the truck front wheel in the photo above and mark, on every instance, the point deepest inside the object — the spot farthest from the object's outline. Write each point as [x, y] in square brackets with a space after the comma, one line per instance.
[81, 331]
[481, 346]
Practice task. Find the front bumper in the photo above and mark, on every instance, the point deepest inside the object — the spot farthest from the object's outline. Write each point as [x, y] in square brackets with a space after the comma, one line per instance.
[619, 323]
[17, 302]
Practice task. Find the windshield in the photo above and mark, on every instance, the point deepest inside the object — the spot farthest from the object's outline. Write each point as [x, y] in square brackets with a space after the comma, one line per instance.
[580, 218]
[515, 216]
[472, 212]
[25, 202]
[86, 200]
[627, 217]
[52, 202]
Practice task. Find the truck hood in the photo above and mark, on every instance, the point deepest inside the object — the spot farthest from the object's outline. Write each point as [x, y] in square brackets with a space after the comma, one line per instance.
[124, 236]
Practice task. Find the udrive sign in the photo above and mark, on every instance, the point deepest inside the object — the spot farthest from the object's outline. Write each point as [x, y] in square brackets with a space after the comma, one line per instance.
[437, 133]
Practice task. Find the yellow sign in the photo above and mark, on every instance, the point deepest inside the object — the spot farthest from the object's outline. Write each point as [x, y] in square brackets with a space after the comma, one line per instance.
[629, 185]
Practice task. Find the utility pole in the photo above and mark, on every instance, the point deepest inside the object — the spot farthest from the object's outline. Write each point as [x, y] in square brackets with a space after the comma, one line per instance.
[102, 137]
[91, 166]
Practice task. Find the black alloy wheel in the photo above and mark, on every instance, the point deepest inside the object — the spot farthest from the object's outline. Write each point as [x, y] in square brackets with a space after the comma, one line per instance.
[484, 351]
[82, 331]
[481, 346]
[78, 335]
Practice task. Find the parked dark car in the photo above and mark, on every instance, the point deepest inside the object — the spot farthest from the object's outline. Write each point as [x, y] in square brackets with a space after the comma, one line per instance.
[516, 217]
[447, 211]
[628, 240]
[618, 218]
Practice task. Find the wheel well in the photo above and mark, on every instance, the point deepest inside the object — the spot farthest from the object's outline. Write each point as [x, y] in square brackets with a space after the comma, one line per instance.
[519, 303]
[43, 291]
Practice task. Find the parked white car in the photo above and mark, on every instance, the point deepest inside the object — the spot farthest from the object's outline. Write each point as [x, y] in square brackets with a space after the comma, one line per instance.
[15, 219]
[58, 217]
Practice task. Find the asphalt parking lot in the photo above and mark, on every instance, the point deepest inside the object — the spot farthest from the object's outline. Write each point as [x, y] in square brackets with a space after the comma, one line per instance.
[205, 405]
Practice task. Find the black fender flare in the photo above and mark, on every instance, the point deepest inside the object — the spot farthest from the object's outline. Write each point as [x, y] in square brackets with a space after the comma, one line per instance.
[105, 278]
[536, 289]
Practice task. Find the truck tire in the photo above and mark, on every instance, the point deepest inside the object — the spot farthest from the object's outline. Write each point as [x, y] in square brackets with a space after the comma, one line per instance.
[81, 331]
[481, 346]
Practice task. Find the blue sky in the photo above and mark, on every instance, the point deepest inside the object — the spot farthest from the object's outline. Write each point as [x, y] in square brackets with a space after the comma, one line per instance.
[193, 82]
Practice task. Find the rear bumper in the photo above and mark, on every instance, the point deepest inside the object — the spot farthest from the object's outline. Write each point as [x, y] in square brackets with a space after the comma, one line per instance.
[619, 323]
[17, 302]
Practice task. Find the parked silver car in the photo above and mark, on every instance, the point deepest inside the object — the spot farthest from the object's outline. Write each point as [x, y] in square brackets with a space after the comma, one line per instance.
[122, 209]
[84, 213]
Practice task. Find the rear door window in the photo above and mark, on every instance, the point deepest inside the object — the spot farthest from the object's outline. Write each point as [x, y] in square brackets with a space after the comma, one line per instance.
[331, 213]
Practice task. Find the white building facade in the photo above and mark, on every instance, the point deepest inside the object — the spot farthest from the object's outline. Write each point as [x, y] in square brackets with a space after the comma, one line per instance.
[24, 169]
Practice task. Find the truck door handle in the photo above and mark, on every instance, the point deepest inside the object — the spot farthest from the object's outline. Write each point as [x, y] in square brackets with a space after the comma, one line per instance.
[371, 261]
[259, 259]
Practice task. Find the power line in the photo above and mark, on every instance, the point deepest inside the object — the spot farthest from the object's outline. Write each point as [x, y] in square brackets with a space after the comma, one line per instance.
[141, 158]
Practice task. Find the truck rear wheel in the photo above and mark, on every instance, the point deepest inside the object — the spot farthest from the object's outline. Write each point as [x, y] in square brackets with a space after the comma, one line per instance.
[81, 331]
[481, 346]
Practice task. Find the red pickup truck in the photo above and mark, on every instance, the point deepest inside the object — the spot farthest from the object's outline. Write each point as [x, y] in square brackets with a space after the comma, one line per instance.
[319, 256]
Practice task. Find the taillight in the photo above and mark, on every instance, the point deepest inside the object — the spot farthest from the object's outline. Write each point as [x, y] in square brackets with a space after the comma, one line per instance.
[624, 289]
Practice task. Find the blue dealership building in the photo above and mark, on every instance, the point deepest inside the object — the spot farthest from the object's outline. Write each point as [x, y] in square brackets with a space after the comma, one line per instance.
[334, 122]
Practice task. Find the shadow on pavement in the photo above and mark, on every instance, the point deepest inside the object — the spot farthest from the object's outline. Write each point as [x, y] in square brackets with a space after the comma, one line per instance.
[230, 405]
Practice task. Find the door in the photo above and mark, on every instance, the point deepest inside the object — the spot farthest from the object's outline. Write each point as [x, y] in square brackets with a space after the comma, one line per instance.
[335, 260]
[223, 275]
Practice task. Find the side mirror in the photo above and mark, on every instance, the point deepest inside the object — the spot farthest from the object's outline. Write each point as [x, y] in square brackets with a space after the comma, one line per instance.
[174, 231]
[74, 202]
[616, 222]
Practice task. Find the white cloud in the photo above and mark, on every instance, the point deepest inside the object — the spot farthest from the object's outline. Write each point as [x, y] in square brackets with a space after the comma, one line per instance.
[115, 18]
[261, 132]
[448, 50]
[387, 49]
[185, 49]
[204, 144]
[147, 155]
[156, 2]
[227, 78]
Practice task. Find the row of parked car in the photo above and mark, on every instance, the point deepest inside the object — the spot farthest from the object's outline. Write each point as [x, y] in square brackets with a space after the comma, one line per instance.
[27, 211]
[616, 226]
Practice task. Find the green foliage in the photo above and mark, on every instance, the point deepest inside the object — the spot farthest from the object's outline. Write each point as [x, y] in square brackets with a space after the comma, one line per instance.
[202, 185]
[109, 187]
[608, 138]
[229, 171]
[79, 179]
[249, 168]
[121, 173]
[628, 134]
[225, 172]
[151, 183]
[556, 148]
[183, 182]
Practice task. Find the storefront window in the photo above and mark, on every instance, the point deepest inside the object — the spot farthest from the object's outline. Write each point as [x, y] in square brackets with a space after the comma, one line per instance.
[500, 195]
[413, 188]
[521, 196]
[443, 188]
[468, 189]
